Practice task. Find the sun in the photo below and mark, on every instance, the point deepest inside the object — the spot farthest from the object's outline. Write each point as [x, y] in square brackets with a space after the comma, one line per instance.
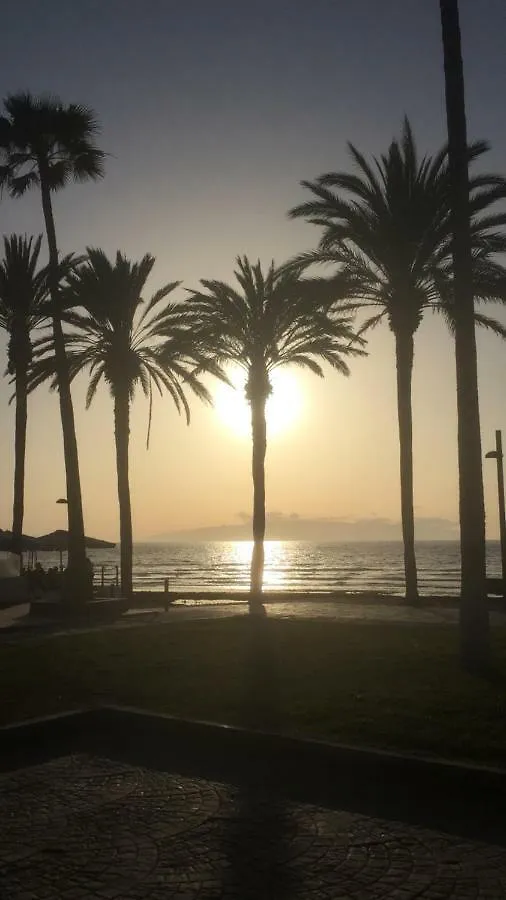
[282, 409]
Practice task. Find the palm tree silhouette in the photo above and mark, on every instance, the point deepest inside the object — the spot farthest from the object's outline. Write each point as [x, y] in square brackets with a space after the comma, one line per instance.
[474, 620]
[45, 144]
[23, 307]
[275, 319]
[387, 228]
[125, 341]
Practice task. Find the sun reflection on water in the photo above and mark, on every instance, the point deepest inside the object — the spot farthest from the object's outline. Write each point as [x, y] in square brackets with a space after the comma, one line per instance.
[276, 563]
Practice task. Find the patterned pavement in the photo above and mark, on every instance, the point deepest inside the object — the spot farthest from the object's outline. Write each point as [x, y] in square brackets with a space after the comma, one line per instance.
[85, 828]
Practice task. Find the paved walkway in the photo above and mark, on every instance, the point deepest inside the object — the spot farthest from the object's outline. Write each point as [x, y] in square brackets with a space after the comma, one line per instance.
[16, 617]
[83, 828]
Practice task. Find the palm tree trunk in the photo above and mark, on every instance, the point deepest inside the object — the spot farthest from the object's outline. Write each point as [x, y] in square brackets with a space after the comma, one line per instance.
[404, 362]
[259, 437]
[122, 433]
[77, 584]
[19, 460]
[474, 620]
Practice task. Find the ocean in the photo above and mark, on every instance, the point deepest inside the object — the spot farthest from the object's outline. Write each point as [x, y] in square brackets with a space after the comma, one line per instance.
[289, 566]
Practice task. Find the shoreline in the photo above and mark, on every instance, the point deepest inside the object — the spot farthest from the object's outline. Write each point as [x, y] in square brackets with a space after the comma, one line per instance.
[157, 599]
[143, 599]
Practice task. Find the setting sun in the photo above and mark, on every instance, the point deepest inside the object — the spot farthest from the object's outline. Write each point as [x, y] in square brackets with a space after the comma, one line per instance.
[283, 406]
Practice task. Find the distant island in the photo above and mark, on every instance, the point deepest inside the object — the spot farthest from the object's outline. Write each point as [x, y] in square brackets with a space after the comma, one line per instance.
[292, 527]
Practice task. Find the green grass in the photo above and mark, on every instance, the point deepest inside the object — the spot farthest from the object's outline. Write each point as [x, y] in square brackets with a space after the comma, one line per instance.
[388, 685]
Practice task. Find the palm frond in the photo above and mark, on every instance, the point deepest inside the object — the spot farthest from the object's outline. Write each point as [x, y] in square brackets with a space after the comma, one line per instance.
[386, 231]
[41, 129]
[94, 381]
[122, 339]
[23, 297]
[276, 318]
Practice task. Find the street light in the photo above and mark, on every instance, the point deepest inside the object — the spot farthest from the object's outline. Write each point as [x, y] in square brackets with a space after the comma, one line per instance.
[497, 454]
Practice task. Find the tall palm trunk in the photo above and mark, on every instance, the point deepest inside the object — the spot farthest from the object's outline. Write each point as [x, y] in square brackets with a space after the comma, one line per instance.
[122, 434]
[19, 459]
[259, 438]
[78, 588]
[474, 620]
[404, 362]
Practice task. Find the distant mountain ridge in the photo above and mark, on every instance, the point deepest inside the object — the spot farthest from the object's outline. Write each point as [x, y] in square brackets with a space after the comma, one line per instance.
[281, 527]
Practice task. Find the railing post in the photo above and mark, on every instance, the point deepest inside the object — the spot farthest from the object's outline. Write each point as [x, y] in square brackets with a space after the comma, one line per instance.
[166, 595]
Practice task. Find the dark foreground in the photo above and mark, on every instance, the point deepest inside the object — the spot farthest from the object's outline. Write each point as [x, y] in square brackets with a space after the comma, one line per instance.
[123, 805]
[88, 828]
[389, 684]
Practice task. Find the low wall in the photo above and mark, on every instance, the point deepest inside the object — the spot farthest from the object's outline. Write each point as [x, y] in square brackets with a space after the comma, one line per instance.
[14, 590]
[465, 800]
[102, 609]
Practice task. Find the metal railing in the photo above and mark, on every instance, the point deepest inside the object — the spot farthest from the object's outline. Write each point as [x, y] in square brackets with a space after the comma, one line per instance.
[106, 578]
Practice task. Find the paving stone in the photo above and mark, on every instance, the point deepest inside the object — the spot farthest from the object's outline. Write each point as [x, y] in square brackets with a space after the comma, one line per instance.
[83, 828]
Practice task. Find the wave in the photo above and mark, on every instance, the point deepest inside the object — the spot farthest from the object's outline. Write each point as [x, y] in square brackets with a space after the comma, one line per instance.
[289, 566]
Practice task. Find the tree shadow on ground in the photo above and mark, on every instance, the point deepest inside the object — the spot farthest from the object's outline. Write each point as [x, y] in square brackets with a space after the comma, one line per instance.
[258, 834]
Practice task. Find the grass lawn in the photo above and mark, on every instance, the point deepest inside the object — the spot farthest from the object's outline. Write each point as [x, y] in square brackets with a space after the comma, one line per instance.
[388, 685]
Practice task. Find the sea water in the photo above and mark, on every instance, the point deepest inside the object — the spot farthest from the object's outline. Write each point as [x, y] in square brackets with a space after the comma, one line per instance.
[289, 566]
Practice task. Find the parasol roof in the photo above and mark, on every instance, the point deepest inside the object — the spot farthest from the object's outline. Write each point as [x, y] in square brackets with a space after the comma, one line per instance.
[59, 539]
[27, 542]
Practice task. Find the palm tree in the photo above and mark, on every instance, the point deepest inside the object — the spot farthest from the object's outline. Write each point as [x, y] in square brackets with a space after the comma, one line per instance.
[387, 228]
[125, 341]
[45, 144]
[474, 621]
[23, 307]
[272, 321]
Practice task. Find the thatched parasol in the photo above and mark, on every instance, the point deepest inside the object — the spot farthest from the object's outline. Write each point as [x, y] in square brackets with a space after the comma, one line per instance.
[27, 542]
[58, 541]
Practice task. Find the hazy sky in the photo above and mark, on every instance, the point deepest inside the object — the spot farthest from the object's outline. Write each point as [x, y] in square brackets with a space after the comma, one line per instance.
[212, 113]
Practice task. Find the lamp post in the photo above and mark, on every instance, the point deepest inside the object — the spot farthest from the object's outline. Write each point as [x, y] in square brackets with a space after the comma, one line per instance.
[64, 501]
[497, 454]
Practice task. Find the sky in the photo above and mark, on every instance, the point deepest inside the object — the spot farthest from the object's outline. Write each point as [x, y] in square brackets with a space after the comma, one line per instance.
[212, 113]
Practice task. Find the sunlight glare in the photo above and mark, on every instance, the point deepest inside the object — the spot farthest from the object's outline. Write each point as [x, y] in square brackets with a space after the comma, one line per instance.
[282, 410]
[276, 568]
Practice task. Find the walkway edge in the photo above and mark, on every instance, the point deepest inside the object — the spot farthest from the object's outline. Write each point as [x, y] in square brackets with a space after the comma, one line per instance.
[449, 796]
